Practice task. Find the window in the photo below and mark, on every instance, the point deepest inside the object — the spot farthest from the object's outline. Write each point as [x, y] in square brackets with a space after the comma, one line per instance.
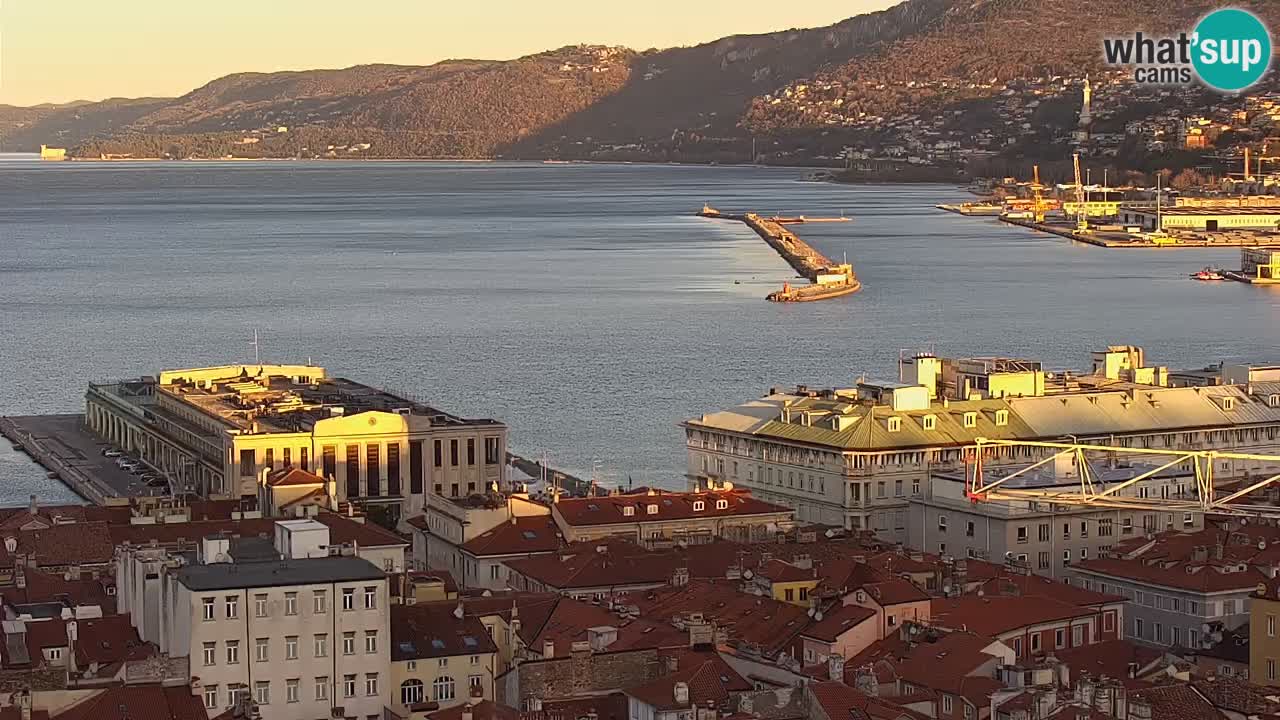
[1193, 638]
[1084, 553]
[353, 470]
[1022, 533]
[897, 488]
[453, 453]
[371, 684]
[1042, 562]
[970, 419]
[348, 643]
[210, 653]
[304, 459]
[1084, 528]
[262, 692]
[1035, 642]
[349, 685]
[492, 456]
[233, 652]
[370, 641]
[1066, 531]
[1271, 668]
[393, 469]
[1271, 626]
[233, 607]
[288, 457]
[1229, 403]
[1017, 646]
[247, 463]
[261, 649]
[968, 529]
[475, 682]
[370, 598]
[372, 470]
[260, 606]
[698, 506]
[942, 523]
[1105, 527]
[880, 489]
[329, 464]
[411, 692]
[1059, 638]
[1137, 628]
[1042, 532]
[234, 692]
[415, 467]
[438, 450]
[442, 689]
[722, 504]
[475, 659]
[210, 697]
[348, 598]
[208, 608]
[322, 688]
[895, 424]
[929, 422]
[271, 459]
[1188, 520]
[915, 486]
[291, 647]
[1157, 632]
[968, 711]
[320, 602]
[320, 646]
[1002, 418]
[291, 603]
[1066, 557]
[471, 451]
[291, 690]
[947, 704]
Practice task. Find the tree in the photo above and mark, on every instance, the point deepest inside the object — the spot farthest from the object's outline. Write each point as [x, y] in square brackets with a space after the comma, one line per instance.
[1187, 179]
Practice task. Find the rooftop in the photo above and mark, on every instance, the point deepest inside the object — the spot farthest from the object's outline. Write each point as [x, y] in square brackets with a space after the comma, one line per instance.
[436, 629]
[662, 506]
[992, 616]
[520, 535]
[302, 571]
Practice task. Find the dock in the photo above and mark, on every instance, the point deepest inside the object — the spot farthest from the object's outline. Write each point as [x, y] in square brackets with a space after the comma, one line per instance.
[65, 448]
[1113, 238]
[829, 279]
[574, 486]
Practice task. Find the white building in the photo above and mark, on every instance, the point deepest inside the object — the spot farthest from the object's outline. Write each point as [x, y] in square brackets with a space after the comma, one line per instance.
[296, 629]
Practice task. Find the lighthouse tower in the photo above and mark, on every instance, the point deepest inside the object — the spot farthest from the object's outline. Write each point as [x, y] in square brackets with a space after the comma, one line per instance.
[1086, 114]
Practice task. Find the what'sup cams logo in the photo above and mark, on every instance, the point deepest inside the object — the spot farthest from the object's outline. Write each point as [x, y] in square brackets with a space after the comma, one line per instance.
[1229, 51]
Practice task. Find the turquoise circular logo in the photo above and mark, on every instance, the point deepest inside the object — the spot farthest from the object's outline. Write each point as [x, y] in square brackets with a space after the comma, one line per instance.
[1231, 49]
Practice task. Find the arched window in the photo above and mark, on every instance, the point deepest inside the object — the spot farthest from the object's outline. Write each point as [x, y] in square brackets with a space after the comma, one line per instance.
[442, 688]
[411, 692]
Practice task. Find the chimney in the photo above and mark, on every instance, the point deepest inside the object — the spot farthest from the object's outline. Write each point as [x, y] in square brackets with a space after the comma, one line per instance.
[11, 544]
[24, 704]
[671, 662]
[466, 712]
[865, 680]
[35, 507]
[682, 694]
[73, 634]
[548, 649]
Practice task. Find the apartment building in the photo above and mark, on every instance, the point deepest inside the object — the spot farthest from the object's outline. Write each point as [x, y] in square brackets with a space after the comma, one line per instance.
[1263, 639]
[442, 655]
[1185, 588]
[1045, 537]
[442, 533]
[656, 518]
[297, 631]
[857, 457]
[217, 430]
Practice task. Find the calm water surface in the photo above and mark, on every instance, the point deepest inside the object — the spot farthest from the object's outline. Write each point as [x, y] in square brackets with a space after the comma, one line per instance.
[582, 304]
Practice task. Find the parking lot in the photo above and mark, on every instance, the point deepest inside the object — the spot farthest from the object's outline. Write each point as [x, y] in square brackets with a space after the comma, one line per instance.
[65, 439]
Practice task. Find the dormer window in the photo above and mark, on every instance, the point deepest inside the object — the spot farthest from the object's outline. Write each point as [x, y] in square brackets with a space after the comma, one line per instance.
[652, 510]
[1273, 400]
[929, 422]
[699, 506]
[1002, 417]
[628, 510]
[722, 504]
[1228, 403]
[895, 424]
[971, 419]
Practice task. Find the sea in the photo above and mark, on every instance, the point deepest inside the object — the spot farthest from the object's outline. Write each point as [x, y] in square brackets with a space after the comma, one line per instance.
[583, 304]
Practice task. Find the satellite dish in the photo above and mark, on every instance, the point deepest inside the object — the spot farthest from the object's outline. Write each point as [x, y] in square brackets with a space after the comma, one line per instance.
[811, 612]
[818, 616]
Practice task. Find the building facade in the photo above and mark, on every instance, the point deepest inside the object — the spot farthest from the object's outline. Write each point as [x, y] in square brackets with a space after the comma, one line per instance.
[219, 430]
[857, 457]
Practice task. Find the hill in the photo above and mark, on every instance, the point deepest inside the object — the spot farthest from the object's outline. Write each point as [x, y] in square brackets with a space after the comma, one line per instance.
[925, 81]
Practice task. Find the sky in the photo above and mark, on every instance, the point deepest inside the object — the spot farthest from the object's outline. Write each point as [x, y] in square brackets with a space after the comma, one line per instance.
[62, 50]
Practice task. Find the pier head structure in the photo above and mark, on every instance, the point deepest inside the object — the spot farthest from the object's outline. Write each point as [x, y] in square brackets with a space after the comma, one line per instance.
[219, 431]
[863, 457]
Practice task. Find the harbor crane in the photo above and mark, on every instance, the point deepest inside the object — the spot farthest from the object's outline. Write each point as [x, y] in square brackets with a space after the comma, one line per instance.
[1088, 490]
[1082, 217]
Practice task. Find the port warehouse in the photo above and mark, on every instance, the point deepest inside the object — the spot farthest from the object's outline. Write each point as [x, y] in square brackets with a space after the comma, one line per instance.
[1206, 219]
[855, 457]
[220, 429]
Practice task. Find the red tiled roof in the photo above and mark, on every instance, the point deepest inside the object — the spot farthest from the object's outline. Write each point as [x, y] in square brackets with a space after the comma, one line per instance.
[993, 616]
[939, 661]
[293, 477]
[482, 710]
[52, 587]
[1177, 702]
[520, 535]
[138, 702]
[432, 630]
[709, 677]
[778, 571]
[444, 576]
[341, 530]
[80, 543]
[606, 707]
[839, 621]
[894, 591]
[1200, 577]
[583, 566]
[841, 702]
[106, 640]
[1110, 658]
[759, 621]
[670, 506]
[1043, 587]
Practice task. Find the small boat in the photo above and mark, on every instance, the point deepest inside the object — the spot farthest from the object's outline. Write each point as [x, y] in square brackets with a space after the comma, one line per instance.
[1207, 274]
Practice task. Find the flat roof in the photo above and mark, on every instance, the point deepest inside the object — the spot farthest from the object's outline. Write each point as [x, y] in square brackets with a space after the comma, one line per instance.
[303, 571]
[1260, 210]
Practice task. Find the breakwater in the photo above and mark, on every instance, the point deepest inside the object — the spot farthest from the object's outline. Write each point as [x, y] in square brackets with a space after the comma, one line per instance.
[829, 279]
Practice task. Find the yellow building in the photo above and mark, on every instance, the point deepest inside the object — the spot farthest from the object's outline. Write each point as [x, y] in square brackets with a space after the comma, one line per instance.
[1264, 636]
[1260, 265]
[220, 430]
[52, 153]
[788, 582]
[439, 654]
